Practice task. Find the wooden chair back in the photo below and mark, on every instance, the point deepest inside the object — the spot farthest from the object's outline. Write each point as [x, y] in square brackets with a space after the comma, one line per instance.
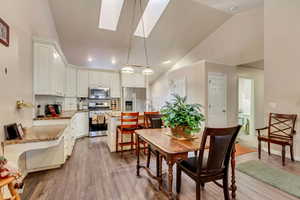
[221, 141]
[147, 121]
[129, 120]
[156, 121]
[281, 126]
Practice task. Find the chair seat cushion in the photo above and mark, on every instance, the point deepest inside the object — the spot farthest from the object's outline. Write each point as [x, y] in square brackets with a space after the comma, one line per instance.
[275, 140]
[192, 164]
[126, 129]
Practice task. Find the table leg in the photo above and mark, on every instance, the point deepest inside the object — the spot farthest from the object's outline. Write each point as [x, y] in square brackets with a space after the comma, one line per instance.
[170, 179]
[160, 158]
[138, 155]
[233, 183]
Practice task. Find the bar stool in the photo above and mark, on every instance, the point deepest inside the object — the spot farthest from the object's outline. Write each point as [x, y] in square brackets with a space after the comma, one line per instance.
[9, 182]
[129, 123]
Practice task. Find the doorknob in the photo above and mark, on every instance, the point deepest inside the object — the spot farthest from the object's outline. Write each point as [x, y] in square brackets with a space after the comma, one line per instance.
[223, 111]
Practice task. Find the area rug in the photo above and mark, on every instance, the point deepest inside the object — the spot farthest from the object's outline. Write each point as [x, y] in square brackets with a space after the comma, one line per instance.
[241, 150]
[278, 178]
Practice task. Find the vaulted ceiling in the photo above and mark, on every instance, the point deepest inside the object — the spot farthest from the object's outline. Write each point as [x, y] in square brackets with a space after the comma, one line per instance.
[183, 25]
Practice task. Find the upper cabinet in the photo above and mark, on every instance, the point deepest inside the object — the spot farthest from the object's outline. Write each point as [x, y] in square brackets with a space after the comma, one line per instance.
[107, 80]
[82, 83]
[71, 82]
[133, 80]
[49, 71]
[115, 85]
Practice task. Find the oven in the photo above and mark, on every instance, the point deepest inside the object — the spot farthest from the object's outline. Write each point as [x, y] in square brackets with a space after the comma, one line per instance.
[99, 93]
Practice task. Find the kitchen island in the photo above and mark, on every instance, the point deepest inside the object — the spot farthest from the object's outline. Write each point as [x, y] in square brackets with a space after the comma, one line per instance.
[113, 120]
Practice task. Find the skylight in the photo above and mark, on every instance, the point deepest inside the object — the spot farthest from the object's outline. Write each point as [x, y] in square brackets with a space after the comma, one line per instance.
[110, 14]
[151, 15]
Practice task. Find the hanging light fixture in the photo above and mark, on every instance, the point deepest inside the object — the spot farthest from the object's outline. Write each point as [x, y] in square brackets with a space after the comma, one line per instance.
[128, 69]
[148, 70]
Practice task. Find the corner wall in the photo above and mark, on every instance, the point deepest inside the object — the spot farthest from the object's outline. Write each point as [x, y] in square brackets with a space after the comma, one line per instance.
[26, 19]
[282, 64]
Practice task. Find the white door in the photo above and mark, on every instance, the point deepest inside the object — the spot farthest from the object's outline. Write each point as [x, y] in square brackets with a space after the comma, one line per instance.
[217, 100]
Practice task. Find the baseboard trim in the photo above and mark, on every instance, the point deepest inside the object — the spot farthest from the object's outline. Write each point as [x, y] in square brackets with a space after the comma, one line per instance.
[278, 153]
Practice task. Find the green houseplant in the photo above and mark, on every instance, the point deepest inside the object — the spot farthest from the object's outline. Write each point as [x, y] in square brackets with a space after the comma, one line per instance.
[184, 119]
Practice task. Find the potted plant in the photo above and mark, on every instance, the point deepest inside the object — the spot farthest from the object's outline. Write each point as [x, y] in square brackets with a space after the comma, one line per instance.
[184, 119]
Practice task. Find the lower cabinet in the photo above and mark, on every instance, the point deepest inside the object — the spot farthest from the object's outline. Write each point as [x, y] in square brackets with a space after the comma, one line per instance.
[53, 157]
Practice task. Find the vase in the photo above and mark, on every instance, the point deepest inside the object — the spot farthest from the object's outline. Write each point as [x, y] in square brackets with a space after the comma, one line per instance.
[180, 132]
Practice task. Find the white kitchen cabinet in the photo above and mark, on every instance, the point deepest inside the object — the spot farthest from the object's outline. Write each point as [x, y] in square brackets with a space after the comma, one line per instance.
[82, 124]
[82, 83]
[115, 85]
[49, 71]
[43, 72]
[99, 79]
[71, 82]
[133, 80]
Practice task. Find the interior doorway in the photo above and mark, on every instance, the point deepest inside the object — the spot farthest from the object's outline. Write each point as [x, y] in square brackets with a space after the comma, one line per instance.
[246, 106]
[217, 100]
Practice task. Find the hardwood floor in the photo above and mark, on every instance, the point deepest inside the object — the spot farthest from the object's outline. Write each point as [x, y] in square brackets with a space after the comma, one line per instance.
[93, 173]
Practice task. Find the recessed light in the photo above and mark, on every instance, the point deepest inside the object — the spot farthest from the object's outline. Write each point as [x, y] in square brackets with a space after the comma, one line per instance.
[90, 59]
[113, 61]
[234, 8]
[151, 15]
[55, 55]
[167, 62]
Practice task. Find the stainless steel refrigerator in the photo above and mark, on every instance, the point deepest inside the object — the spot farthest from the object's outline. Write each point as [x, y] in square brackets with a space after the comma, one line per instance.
[134, 99]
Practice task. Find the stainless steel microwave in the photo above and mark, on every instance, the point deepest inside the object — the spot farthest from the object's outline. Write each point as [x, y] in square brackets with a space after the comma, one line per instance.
[99, 93]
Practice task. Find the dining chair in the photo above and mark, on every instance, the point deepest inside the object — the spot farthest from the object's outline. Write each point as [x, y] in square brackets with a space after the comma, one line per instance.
[129, 123]
[155, 122]
[281, 131]
[211, 165]
[147, 122]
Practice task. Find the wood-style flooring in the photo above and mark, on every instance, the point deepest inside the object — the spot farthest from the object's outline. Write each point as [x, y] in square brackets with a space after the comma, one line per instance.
[93, 173]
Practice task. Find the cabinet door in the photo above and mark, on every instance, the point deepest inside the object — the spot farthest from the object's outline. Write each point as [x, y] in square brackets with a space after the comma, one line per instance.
[71, 82]
[115, 85]
[43, 57]
[133, 80]
[82, 83]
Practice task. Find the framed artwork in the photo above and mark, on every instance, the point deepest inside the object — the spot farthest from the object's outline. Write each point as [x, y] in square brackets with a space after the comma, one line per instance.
[4, 33]
[20, 130]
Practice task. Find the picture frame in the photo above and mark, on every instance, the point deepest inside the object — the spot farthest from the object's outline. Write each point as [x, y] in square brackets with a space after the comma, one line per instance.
[4, 33]
[20, 130]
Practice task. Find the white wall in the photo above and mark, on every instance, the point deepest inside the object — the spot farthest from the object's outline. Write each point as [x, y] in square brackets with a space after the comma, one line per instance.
[239, 40]
[257, 75]
[196, 87]
[26, 19]
[282, 63]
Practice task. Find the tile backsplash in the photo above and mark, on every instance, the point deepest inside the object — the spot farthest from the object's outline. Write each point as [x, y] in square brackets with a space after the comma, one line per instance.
[67, 103]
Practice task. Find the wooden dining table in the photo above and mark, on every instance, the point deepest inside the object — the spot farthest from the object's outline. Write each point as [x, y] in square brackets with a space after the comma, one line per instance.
[172, 150]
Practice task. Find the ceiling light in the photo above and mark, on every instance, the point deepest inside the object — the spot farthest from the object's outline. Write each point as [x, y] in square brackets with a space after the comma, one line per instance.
[151, 15]
[110, 14]
[113, 61]
[127, 70]
[90, 59]
[55, 55]
[147, 71]
[167, 62]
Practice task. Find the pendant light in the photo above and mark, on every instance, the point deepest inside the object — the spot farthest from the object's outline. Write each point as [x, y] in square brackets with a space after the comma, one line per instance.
[128, 69]
[148, 71]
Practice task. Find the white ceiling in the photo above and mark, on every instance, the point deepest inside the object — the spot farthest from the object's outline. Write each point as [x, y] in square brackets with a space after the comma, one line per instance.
[232, 6]
[183, 25]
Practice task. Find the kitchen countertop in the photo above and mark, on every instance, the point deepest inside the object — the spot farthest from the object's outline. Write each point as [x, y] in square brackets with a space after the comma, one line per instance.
[39, 134]
[64, 115]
